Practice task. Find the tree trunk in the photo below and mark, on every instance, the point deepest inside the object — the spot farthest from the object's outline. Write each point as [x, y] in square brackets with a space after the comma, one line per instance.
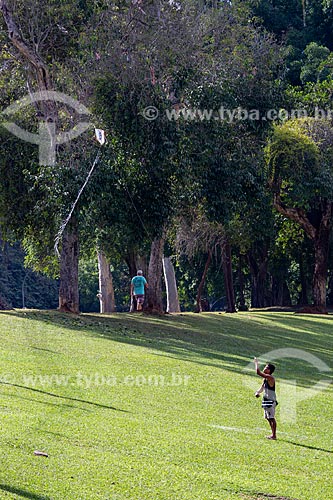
[258, 272]
[321, 246]
[228, 279]
[242, 303]
[106, 291]
[319, 233]
[286, 295]
[69, 270]
[141, 263]
[277, 290]
[171, 286]
[304, 12]
[330, 291]
[280, 292]
[198, 307]
[154, 291]
[258, 291]
[130, 259]
[303, 296]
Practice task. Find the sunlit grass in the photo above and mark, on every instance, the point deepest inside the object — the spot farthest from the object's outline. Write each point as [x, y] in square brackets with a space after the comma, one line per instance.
[136, 407]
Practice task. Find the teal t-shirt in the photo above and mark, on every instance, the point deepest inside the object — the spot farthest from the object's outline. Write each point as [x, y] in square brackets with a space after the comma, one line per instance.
[139, 285]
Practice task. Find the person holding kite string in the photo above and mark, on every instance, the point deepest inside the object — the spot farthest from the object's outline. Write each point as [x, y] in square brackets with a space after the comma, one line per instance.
[269, 402]
[138, 286]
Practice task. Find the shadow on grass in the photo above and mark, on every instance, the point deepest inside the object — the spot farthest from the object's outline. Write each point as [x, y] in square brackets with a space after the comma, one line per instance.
[63, 397]
[42, 349]
[306, 446]
[219, 340]
[269, 496]
[47, 403]
[22, 493]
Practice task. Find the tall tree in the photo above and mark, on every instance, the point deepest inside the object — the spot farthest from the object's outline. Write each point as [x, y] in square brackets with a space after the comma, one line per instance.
[42, 34]
[196, 234]
[299, 156]
[106, 290]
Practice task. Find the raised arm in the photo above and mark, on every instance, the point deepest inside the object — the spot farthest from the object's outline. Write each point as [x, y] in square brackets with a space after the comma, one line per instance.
[268, 376]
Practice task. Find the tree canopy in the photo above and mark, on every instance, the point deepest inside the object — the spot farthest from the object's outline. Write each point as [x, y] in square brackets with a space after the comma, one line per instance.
[183, 91]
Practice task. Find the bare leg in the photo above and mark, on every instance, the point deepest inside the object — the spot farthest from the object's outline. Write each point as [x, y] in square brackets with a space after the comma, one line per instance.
[272, 423]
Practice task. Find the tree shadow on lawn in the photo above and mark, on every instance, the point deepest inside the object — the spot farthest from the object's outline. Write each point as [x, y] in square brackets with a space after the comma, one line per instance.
[22, 493]
[219, 340]
[99, 405]
[302, 323]
[47, 403]
[265, 496]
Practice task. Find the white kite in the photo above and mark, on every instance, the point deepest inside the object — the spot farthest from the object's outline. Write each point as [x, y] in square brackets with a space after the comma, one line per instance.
[100, 135]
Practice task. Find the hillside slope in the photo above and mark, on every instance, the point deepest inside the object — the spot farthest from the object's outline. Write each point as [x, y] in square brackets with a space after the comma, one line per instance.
[135, 407]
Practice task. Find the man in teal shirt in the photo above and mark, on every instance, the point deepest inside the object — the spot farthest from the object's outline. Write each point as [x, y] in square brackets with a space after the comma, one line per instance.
[138, 286]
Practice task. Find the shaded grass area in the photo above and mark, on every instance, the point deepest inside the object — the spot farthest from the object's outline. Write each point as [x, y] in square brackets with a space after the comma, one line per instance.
[21, 493]
[212, 339]
[130, 406]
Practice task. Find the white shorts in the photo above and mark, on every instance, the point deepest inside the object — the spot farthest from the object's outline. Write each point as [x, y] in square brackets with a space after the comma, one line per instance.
[270, 412]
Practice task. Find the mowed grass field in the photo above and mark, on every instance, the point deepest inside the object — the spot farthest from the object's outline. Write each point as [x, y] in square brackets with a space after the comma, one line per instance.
[132, 407]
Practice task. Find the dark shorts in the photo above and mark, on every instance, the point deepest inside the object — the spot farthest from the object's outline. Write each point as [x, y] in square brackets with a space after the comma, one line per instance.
[140, 299]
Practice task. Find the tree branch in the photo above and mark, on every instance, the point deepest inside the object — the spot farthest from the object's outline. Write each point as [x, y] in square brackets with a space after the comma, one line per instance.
[327, 214]
[42, 73]
[295, 214]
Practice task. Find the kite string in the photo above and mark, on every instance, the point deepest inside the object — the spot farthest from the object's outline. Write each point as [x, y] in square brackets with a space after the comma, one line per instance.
[136, 210]
[65, 222]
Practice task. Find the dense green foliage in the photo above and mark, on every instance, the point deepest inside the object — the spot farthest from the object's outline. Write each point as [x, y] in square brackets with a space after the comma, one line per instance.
[20, 286]
[120, 59]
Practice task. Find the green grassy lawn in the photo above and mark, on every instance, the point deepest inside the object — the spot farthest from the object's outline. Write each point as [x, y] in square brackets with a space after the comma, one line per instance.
[151, 408]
